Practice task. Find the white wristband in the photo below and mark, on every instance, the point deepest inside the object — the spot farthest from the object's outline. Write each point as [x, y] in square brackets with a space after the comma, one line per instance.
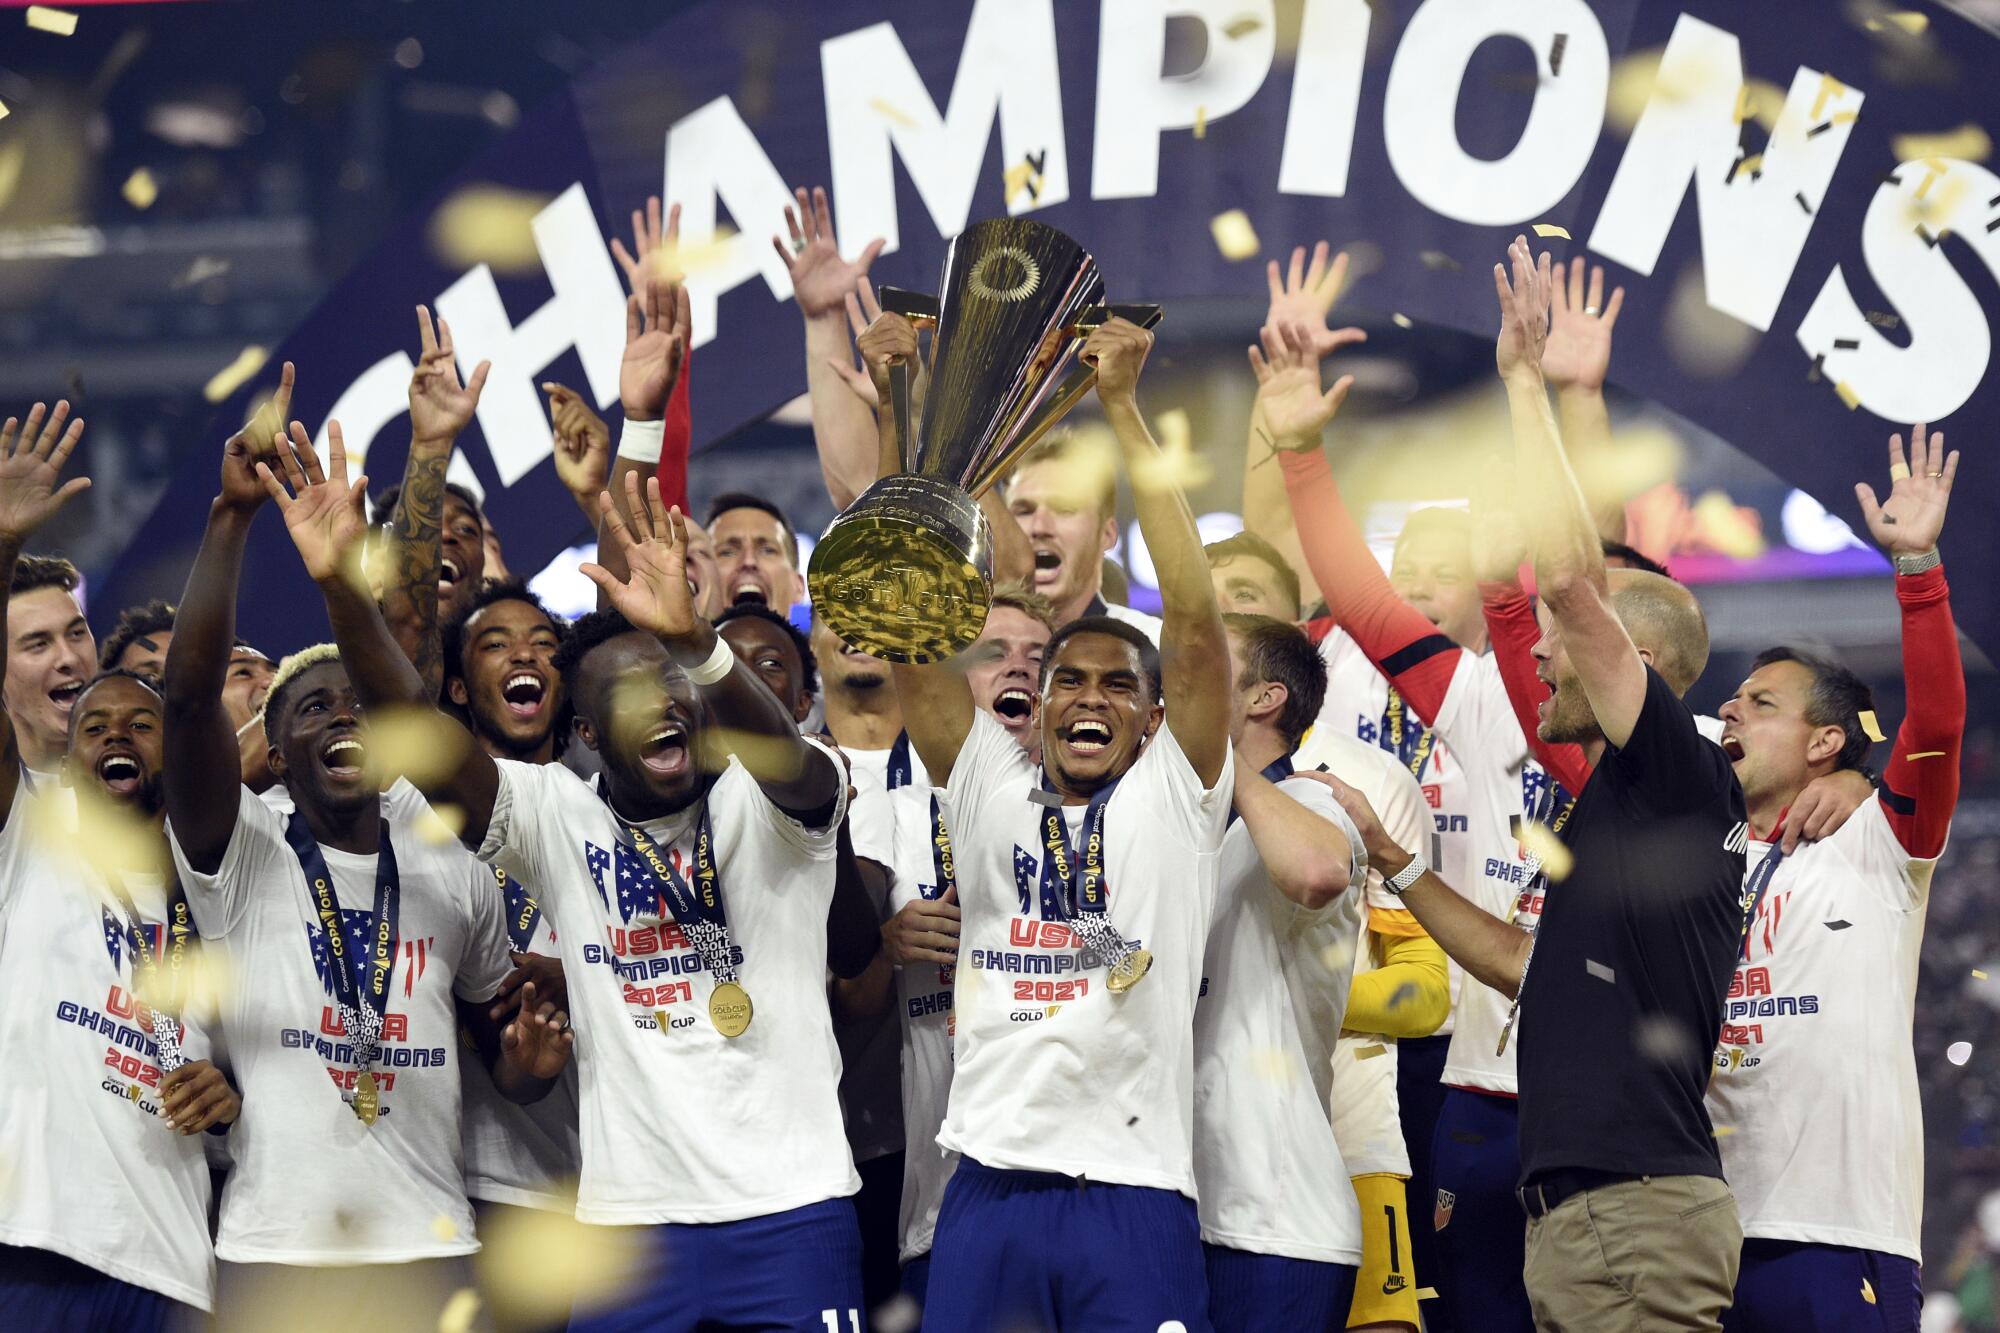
[642, 441]
[721, 661]
[1400, 882]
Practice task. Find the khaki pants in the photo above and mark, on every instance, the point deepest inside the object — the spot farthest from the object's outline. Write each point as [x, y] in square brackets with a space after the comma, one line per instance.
[1642, 1255]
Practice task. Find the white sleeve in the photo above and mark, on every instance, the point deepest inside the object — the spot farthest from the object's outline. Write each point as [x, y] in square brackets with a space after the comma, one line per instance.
[516, 836]
[1880, 860]
[257, 856]
[817, 844]
[1165, 780]
[488, 958]
[1315, 797]
[990, 762]
[871, 826]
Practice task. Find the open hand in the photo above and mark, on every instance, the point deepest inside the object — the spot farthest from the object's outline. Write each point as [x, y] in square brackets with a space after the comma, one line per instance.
[924, 931]
[655, 596]
[323, 510]
[862, 310]
[1288, 393]
[441, 407]
[539, 1039]
[1909, 521]
[241, 490]
[1305, 296]
[655, 251]
[821, 279]
[583, 444]
[31, 464]
[1578, 354]
[656, 344]
[1524, 311]
[196, 1096]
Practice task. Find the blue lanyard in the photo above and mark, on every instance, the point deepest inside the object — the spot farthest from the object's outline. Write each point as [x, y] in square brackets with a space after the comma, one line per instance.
[360, 985]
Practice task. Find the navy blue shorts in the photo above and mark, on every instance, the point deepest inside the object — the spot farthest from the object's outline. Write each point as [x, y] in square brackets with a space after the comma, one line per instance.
[45, 1292]
[1027, 1248]
[797, 1270]
[1479, 1234]
[1254, 1293]
[1785, 1285]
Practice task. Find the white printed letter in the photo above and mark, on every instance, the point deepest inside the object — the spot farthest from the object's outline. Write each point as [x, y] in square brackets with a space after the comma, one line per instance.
[1134, 103]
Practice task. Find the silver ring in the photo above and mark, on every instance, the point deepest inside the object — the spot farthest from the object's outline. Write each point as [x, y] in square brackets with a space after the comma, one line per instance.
[1590, 310]
[798, 245]
[562, 1027]
[1938, 475]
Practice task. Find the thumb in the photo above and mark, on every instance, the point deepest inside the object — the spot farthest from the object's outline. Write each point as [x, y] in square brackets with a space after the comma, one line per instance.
[950, 895]
[601, 576]
[1865, 493]
[71, 487]
[868, 253]
[1338, 393]
[478, 381]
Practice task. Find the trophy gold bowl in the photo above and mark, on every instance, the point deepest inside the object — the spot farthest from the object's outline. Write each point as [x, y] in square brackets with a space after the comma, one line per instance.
[905, 573]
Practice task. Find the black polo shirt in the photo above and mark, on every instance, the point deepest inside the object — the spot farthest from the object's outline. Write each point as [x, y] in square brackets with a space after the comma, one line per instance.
[1623, 999]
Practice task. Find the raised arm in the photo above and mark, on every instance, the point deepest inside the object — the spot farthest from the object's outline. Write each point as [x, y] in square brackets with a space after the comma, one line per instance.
[440, 407]
[1920, 785]
[666, 443]
[656, 345]
[1194, 655]
[1569, 555]
[798, 777]
[202, 767]
[322, 510]
[822, 284]
[1302, 297]
[1576, 360]
[31, 493]
[1307, 855]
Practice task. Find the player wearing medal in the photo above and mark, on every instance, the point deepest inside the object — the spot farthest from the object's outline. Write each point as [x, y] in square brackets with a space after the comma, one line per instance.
[689, 895]
[350, 930]
[1086, 888]
[1283, 1240]
[104, 1209]
[1815, 1075]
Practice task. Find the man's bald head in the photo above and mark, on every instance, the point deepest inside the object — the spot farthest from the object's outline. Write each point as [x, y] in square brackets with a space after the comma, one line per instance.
[1665, 623]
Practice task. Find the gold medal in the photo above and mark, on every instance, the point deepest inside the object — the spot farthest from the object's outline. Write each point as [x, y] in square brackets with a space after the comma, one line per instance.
[729, 1009]
[367, 1101]
[1127, 971]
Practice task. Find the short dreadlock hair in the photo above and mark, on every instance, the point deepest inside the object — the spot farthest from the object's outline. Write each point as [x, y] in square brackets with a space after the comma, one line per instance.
[134, 622]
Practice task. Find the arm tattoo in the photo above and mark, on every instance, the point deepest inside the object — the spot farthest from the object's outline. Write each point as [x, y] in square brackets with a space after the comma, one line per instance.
[416, 536]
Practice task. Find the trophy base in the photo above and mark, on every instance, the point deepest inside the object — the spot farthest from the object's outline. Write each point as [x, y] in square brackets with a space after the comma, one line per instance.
[905, 573]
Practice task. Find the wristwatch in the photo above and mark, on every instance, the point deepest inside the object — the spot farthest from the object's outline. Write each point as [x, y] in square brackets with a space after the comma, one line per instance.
[1400, 882]
[1917, 564]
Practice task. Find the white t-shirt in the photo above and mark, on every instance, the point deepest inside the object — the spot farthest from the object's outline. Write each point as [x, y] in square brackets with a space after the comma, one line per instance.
[680, 1123]
[896, 830]
[1816, 1075]
[1270, 1174]
[1361, 1102]
[529, 1155]
[1055, 1072]
[870, 1051]
[385, 1193]
[89, 1167]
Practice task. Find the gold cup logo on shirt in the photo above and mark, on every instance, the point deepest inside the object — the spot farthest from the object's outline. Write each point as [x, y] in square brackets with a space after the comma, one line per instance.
[905, 573]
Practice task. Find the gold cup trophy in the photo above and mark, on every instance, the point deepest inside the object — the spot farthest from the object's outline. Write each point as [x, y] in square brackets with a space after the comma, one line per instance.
[905, 573]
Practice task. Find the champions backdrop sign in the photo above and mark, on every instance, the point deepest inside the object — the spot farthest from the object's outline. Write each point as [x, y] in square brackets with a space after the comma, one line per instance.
[1757, 141]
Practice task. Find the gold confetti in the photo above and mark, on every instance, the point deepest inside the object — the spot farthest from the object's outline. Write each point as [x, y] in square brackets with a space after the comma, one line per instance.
[1542, 843]
[232, 376]
[534, 1264]
[1241, 26]
[1967, 143]
[1274, 1065]
[1547, 229]
[1176, 467]
[443, 1227]
[420, 744]
[3, 111]
[1978, 975]
[701, 256]
[488, 224]
[1234, 235]
[459, 1311]
[58, 21]
[1870, 727]
[1369, 1052]
[1201, 122]
[1908, 20]
[1400, 320]
[1427, 1293]
[888, 111]
[1749, 166]
[1828, 87]
[1723, 1131]
[1022, 176]
[1926, 754]
[442, 824]
[141, 189]
[1867, 1292]
[1746, 104]
[1852, 399]
[1726, 528]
